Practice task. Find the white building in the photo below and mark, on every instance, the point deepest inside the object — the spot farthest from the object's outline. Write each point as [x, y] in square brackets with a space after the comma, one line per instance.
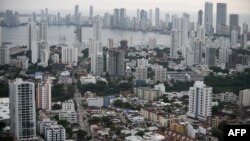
[22, 62]
[69, 55]
[55, 133]
[142, 63]
[141, 73]
[228, 97]
[44, 95]
[97, 64]
[160, 87]
[97, 26]
[175, 42]
[234, 37]
[43, 52]
[244, 97]
[43, 123]
[224, 55]
[32, 34]
[4, 109]
[34, 52]
[160, 73]
[22, 109]
[95, 102]
[4, 55]
[200, 98]
[68, 112]
[55, 58]
[157, 18]
[88, 79]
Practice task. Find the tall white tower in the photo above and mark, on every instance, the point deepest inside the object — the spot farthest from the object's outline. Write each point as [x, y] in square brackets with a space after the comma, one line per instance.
[22, 110]
[32, 34]
[157, 18]
[43, 95]
[97, 24]
[200, 98]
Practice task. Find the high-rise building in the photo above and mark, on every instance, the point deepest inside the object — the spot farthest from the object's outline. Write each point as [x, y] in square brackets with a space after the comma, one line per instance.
[43, 53]
[201, 33]
[157, 18]
[243, 39]
[197, 47]
[234, 37]
[200, 14]
[221, 17]
[97, 63]
[150, 14]
[97, 26]
[174, 42]
[244, 97]
[77, 21]
[122, 21]
[245, 28]
[200, 98]
[138, 15]
[116, 17]
[110, 43]
[116, 62]
[43, 25]
[22, 110]
[34, 52]
[142, 63]
[43, 94]
[167, 18]
[141, 73]
[208, 22]
[184, 30]
[160, 74]
[69, 55]
[78, 34]
[224, 55]
[210, 56]
[91, 12]
[0, 36]
[32, 34]
[4, 55]
[234, 23]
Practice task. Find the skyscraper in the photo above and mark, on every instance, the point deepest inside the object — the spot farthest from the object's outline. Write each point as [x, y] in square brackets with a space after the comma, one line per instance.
[150, 14]
[208, 18]
[115, 62]
[34, 52]
[22, 109]
[234, 22]
[116, 17]
[0, 36]
[91, 12]
[157, 18]
[122, 22]
[221, 17]
[97, 26]
[69, 55]
[4, 55]
[174, 42]
[43, 25]
[32, 34]
[197, 47]
[97, 63]
[200, 98]
[43, 94]
[243, 39]
[76, 15]
[200, 14]
[210, 56]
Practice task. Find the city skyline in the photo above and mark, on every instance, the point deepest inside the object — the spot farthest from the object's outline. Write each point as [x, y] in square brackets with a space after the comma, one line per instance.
[239, 6]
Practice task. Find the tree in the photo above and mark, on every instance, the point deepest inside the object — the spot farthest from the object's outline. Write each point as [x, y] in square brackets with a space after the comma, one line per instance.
[4, 89]
[2, 125]
[56, 107]
[217, 133]
[140, 133]
[215, 110]
[81, 135]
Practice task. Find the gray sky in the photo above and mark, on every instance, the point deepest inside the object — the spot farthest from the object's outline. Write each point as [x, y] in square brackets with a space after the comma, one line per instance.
[234, 6]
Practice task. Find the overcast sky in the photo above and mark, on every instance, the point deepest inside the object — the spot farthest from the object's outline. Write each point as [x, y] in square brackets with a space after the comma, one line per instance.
[234, 6]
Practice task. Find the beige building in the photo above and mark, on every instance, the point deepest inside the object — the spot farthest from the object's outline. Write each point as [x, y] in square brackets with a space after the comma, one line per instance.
[244, 97]
[147, 93]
